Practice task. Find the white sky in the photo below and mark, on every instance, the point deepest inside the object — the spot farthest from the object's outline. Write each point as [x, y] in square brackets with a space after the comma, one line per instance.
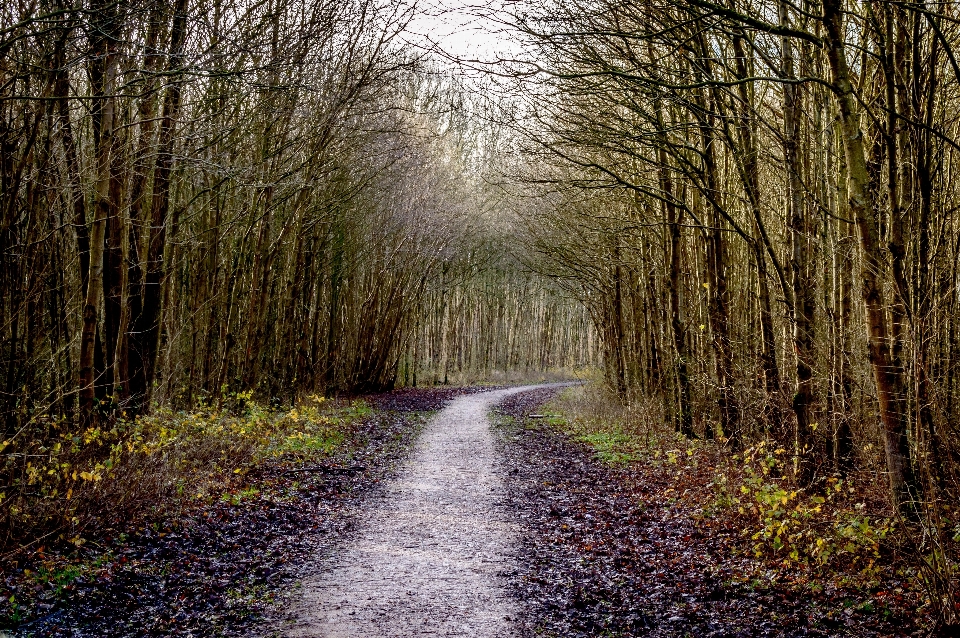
[462, 29]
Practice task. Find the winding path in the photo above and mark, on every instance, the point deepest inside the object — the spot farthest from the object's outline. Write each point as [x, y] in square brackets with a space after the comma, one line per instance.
[430, 560]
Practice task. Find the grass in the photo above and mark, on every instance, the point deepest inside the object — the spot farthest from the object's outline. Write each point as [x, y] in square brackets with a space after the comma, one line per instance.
[587, 414]
[59, 577]
[235, 498]
[613, 448]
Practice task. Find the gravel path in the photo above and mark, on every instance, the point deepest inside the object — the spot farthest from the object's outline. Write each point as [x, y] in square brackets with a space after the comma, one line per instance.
[431, 559]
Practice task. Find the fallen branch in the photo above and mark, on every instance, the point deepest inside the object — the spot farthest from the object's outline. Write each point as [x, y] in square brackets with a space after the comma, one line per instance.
[328, 469]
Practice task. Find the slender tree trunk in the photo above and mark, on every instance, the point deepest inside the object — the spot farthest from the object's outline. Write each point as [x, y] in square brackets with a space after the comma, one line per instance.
[78, 202]
[864, 212]
[103, 73]
[113, 277]
[149, 324]
[718, 304]
[804, 287]
[684, 423]
[618, 332]
[137, 347]
[747, 157]
[846, 248]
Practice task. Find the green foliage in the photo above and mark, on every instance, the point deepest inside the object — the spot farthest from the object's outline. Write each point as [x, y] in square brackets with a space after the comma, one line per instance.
[792, 526]
[581, 416]
[235, 498]
[58, 577]
[797, 526]
[612, 447]
[16, 610]
[58, 482]
[306, 444]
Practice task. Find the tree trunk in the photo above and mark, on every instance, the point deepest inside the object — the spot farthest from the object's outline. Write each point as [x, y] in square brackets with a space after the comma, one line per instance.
[137, 347]
[684, 423]
[718, 304]
[149, 323]
[103, 74]
[863, 210]
[802, 249]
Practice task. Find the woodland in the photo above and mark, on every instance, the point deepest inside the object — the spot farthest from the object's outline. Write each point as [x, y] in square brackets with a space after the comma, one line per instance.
[742, 215]
[203, 201]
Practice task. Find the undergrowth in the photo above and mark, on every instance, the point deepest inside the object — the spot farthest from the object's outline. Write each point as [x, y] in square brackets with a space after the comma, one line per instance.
[62, 483]
[840, 534]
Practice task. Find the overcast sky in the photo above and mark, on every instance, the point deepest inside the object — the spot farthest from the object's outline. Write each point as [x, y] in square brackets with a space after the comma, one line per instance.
[461, 29]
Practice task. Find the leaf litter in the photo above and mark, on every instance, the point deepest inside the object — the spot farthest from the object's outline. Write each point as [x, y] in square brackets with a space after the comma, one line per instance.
[604, 551]
[617, 551]
[221, 568]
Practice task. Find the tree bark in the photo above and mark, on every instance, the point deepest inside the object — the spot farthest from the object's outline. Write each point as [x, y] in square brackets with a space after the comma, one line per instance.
[804, 286]
[863, 210]
[149, 322]
[103, 74]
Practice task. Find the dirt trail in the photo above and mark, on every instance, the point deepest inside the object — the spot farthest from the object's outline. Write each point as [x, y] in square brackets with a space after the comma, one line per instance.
[429, 561]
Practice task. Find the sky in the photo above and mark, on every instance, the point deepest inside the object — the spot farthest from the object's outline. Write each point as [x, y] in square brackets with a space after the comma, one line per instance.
[461, 29]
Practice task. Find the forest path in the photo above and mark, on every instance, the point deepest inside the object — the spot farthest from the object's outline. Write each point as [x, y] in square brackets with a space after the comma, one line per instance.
[429, 561]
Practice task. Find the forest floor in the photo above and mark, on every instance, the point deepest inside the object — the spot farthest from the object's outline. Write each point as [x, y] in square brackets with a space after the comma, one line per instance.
[220, 567]
[632, 549]
[447, 527]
